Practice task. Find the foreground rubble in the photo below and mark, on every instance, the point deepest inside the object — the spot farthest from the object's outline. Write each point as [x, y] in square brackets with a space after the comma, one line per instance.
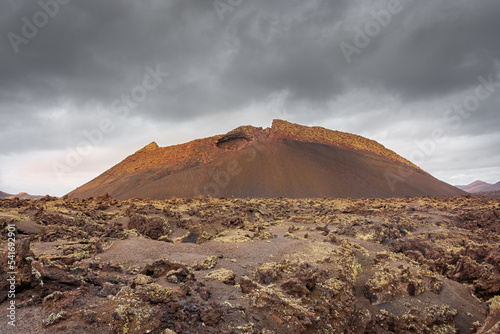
[204, 265]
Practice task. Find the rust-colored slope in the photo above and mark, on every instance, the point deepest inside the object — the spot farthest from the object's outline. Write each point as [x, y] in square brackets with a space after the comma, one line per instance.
[318, 134]
[287, 160]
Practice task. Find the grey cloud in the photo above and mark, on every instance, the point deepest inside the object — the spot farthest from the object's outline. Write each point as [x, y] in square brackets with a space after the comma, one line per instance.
[434, 49]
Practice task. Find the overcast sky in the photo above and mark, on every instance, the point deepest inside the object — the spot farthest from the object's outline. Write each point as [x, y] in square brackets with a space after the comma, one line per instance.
[85, 83]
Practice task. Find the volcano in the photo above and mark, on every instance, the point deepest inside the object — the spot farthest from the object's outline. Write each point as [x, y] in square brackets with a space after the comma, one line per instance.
[285, 160]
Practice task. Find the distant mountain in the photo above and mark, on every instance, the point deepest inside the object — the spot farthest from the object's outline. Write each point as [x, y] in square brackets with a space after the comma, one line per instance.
[25, 196]
[480, 186]
[20, 196]
[4, 195]
[286, 160]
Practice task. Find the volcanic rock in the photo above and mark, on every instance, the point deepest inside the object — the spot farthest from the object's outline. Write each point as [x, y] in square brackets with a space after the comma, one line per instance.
[392, 265]
[21, 260]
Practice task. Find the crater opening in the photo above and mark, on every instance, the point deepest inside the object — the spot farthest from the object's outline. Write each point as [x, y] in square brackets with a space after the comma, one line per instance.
[232, 141]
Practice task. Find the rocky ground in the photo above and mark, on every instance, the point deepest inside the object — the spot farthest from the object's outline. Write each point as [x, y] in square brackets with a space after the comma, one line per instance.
[490, 194]
[405, 265]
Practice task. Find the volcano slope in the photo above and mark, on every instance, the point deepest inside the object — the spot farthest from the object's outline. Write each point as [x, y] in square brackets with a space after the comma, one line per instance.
[205, 265]
[286, 160]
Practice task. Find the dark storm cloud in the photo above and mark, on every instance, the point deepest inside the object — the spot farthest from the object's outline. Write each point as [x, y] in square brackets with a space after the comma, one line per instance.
[91, 51]
[435, 48]
[68, 76]
[280, 49]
